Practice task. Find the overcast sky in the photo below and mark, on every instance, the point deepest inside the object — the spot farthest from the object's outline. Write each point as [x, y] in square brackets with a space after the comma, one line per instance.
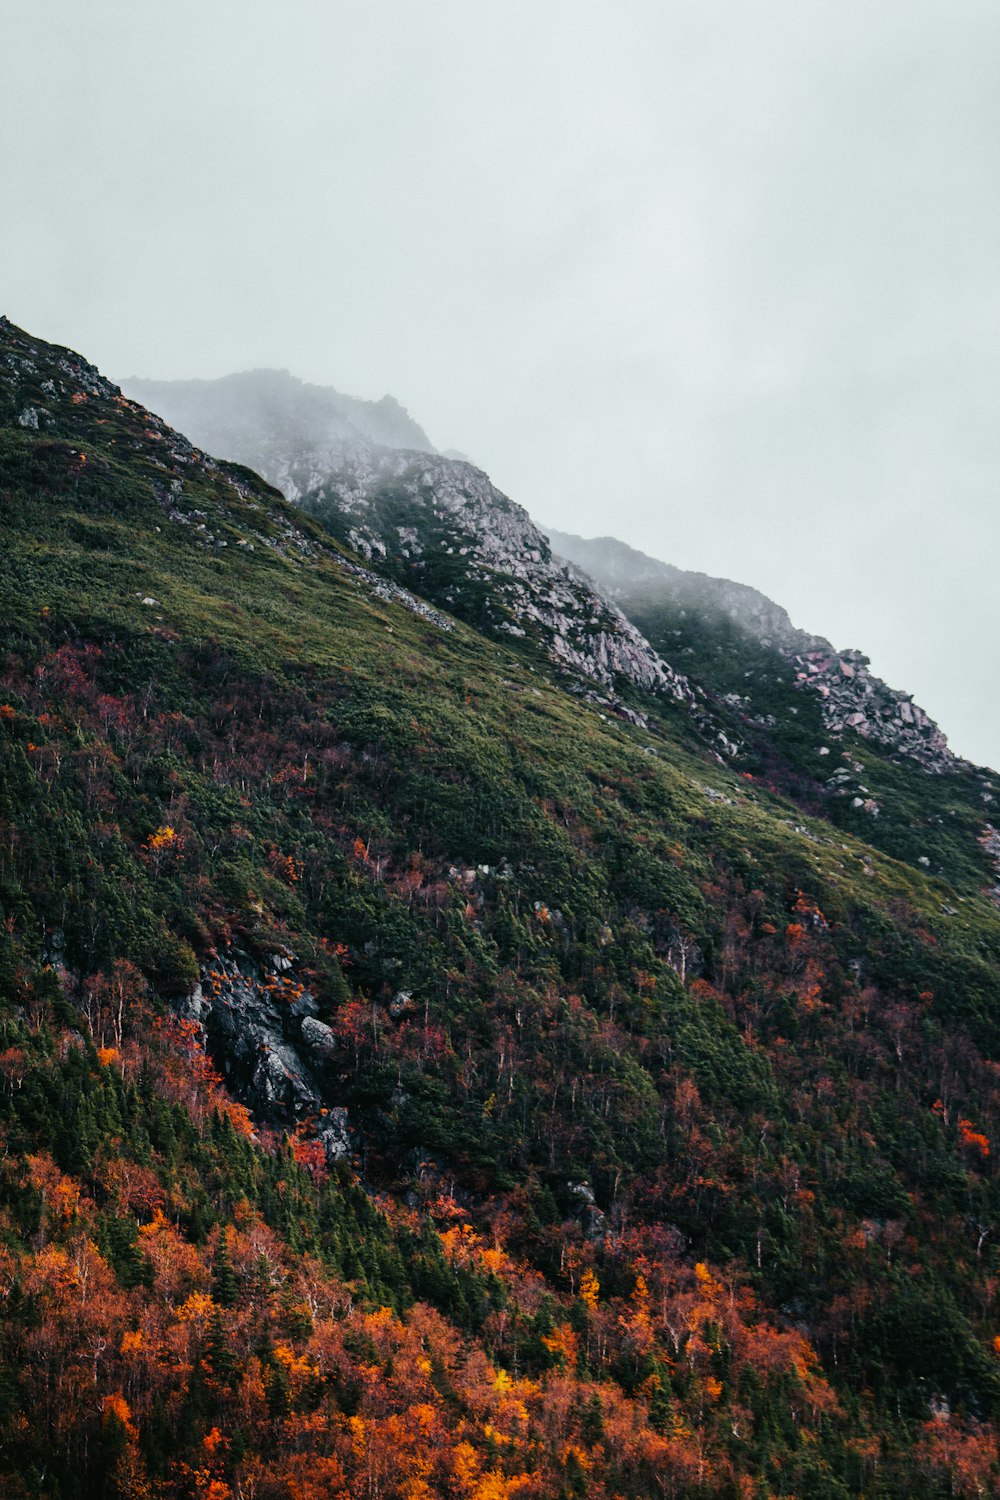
[721, 279]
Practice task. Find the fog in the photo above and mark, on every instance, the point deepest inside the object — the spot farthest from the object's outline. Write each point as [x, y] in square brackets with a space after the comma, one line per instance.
[718, 278]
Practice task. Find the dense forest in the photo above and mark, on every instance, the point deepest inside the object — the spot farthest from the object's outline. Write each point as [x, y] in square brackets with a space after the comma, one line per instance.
[416, 1080]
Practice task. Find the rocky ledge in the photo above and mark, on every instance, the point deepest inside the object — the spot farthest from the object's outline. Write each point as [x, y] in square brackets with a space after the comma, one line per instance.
[260, 1027]
[852, 698]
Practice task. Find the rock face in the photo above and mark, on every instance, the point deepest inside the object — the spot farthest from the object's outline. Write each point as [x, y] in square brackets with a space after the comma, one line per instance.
[261, 1030]
[436, 525]
[591, 1219]
[441, 525]
[851, 697]
[990, 840]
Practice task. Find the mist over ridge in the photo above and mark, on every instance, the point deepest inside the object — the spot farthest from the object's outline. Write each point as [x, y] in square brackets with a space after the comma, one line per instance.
[500, 881]
[728, 271]
[230, 414]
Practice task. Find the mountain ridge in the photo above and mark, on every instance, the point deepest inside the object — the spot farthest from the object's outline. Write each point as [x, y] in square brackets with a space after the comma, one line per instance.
[851, 695]
[344, 472]
[235, 410]
[416, 1081]
[350, 481]
[439, 527]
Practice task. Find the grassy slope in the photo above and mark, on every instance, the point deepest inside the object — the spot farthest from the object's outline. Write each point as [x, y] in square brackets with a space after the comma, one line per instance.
[776, 1107]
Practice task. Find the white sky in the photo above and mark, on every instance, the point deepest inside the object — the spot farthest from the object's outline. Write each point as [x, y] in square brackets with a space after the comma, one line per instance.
[721, 277]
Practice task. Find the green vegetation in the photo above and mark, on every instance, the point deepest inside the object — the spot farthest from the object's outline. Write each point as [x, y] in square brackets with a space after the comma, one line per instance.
[934, 818]
[673, 1102]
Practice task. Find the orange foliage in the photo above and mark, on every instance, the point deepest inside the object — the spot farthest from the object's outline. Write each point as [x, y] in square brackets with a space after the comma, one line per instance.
[161, 838]
[974, 1138]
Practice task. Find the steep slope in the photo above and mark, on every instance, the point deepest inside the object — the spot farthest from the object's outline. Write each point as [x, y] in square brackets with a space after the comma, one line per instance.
[812, 722]
[434, 522]
[414, 1082]
[851, 697]
[443, 527]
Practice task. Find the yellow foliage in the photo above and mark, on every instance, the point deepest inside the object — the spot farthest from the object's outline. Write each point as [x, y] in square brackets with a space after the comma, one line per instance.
[493, 1486]
[198, 1305]
[465, 1461]
[295, 1364]
[590, 1288]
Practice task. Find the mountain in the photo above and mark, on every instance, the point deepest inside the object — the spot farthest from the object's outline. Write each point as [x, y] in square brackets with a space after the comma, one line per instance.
[269, 420]
[811, 722]
[433, 522]
[625, 572]
[721, 651]
[416, 1078]
[850, 696]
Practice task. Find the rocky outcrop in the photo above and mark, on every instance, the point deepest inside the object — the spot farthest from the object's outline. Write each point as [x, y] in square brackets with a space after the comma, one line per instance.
[359, 466]
[990, 841]
[851, 697]
[261, 1028]
[590, 1217]
[411, 512]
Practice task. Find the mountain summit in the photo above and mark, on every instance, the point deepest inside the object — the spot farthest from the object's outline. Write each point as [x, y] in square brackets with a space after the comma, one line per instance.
[435, 524]
[273, 422]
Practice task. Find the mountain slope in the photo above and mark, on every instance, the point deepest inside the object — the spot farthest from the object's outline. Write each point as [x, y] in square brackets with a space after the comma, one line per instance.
[621, 569]
[414, 1082]
[812, 722]
[850, 696]
[440, 525]
[434, 523]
